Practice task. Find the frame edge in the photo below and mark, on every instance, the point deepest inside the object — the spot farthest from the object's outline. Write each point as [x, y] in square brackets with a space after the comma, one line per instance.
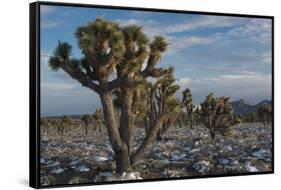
[34, 178]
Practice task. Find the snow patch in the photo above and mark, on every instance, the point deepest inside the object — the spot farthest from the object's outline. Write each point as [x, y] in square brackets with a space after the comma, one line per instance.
[57, 171]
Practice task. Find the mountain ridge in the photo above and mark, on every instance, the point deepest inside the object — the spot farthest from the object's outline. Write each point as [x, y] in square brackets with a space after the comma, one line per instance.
[242, 107]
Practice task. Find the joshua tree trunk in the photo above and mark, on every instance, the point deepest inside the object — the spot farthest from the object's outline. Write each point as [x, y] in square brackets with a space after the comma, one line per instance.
[123, 163]
[126, 120]
[149, 138]
[120, 148]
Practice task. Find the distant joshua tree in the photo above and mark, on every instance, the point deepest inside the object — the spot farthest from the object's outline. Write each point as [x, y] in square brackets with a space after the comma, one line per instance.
[264, 114]
[238, 119]
[108, 47]
[190, 108]
[251, 117]
[98, 117]
[216, 115]
[87, 120]
[66, 124]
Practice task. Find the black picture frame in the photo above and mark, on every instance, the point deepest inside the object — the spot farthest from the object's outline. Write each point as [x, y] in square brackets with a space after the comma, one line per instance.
[34, 98]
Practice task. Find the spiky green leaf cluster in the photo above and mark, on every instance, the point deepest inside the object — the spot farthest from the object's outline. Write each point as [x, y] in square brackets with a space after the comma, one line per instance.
[100, 35]
[159, 44]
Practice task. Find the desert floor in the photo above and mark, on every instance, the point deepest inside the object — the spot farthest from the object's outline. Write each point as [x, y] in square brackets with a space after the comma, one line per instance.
[76, 158]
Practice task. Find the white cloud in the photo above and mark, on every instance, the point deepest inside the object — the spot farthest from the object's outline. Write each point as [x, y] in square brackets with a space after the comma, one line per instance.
[238, 30]
[49, 24]
[255, 30]
[47, 9]
[253, 87]
[187, 41]
[202, 22]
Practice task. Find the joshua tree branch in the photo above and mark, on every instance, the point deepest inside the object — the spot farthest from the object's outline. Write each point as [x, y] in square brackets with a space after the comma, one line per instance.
[118, 82]
[76, 73]
[149, 138]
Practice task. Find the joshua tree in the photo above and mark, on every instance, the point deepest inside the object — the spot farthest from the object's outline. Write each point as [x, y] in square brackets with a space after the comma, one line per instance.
[87, 120]
[264, 114]
[181, 119]
[190, 108]
[238, 119]
[161, 98]
[98, 117]
[251, 117]
[216, 114]
[106, 48]
[66, 124]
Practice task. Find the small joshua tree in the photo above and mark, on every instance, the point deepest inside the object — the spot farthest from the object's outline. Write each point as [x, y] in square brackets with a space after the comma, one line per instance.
[238, 119]
[251, 117]
[216, 114]
[98, 117]
[66, 124]
[190, 108]
[87, 120]
[264, 114]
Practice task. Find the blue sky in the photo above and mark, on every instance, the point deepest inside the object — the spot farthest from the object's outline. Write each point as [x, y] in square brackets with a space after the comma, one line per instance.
[226, 55]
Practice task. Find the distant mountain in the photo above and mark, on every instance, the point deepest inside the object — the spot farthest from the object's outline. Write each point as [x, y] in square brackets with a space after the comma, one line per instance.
[241, 107]
[264, 102]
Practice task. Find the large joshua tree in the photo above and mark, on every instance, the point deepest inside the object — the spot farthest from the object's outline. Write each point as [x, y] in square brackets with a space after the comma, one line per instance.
[113, 60]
